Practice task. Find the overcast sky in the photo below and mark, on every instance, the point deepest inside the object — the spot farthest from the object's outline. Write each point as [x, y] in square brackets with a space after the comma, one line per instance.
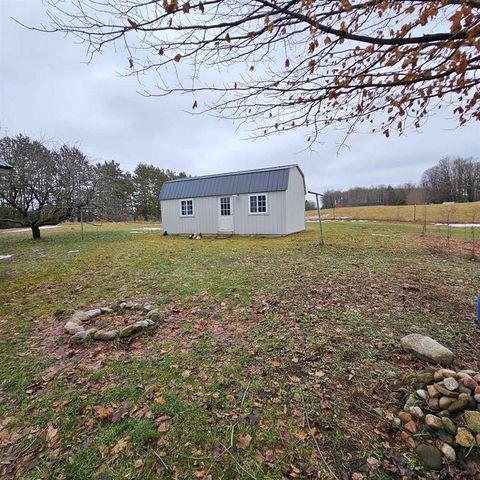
[48, 90]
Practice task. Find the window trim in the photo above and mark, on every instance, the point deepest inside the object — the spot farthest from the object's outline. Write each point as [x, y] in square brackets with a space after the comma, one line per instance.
[266, 212]
[193, 207]
[220, 205]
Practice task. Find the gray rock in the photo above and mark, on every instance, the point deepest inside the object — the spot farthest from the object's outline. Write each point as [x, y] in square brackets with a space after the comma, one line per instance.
[425, 377]
[449, 426]
[150, 322]
[472, 419]
[477, 397]
[106, 335]
[450, 383]
[90, 333]
[72, 328]
[142, 324]
[423, 394]
[457, 406]
[79, 337]
[411, 401]
[154, 315]
[416, 412]
[126, 305]
[430, 456]
[107, 310]
[445, 402]
[427, 349]
[148, 307]
[462, 389]
[448, 452]
[471, 373]
[434, 422]
[129, 330]
[79, 316]
[95, 312]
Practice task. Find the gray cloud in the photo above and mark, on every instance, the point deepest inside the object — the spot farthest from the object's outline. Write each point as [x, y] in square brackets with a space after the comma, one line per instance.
[47, 89]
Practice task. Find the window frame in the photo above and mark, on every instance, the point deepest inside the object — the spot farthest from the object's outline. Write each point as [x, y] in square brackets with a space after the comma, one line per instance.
[250, 204]
[230, 205]
[187, 215]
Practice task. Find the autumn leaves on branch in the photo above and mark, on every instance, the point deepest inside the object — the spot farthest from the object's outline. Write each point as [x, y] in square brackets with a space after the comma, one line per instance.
[386, 65]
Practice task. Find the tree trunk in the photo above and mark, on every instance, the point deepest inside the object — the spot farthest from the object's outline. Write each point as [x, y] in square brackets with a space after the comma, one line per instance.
[35, 232]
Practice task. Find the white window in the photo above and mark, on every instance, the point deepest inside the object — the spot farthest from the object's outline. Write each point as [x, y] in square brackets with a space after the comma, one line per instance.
[258, 203]
[186, 208]
[225, 207]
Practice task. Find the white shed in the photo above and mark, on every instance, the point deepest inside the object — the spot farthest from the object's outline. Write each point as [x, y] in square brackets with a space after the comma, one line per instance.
[267, 201]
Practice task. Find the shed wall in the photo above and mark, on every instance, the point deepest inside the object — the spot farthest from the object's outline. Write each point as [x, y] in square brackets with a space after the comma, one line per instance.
[295, 202]
[206, 211]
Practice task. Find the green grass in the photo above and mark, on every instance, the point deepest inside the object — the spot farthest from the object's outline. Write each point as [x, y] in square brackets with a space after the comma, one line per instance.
[454, 213]
[258, 334]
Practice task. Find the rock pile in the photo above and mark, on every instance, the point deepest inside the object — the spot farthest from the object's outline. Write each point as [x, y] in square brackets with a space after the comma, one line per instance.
[441, 420]
[78, 333]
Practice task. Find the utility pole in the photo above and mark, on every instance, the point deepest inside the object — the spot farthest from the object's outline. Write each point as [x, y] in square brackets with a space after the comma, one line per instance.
[317, 195]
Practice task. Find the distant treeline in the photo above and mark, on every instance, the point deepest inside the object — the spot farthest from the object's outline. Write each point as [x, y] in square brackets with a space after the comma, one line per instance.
[49, 185]
[451, 180]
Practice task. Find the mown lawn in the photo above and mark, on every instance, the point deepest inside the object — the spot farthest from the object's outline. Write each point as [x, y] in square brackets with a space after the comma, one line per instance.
[270, 358]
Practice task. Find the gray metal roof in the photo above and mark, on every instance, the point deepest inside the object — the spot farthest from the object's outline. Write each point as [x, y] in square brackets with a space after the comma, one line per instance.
[4, 164]
[250, 181]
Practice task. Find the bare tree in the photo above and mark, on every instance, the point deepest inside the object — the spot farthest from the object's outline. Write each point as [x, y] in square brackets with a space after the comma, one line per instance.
[290, 63]
[44, 187]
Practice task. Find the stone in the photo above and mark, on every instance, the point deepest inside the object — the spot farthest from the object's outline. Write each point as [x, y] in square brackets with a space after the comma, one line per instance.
[433, 392]
[427, 349]
[106, 335]
[408, 439]
[468, 382]
[433, 404]
[444, 391]
[411, 427]
[457, 406]
[79, 337]
[464, 438]
[471, 403]
[444, 413]
[450, 383]
[142, 324]
[129, 330]
[148, 307]
[462, 389]
[126, 305]
[411, 401]
[434, 422]
[430, 456]
[425, 377]
[445, 402]
[416, 412]
[405, 417]
[477, 397]
[444, 436]
[72, 328]
[449, 426]
[154, 315]
[150, 322]
[477, 378]
[106, 310]
[470, 373]
[477, 390]
[472, 419]
[397, 422]
[90, 333]
[79, 317]
[448, 452]
[95, 312]
[423, 394]
[477, 438]
[446, 373]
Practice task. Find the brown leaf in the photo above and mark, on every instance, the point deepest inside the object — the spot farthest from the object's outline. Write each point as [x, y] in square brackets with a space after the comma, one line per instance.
[243, 441]
[186, 7]
[51, 435]
[195, 105]
[138, 463]
[120, 445]
[102, 412]
[119, 414]
[177, 57]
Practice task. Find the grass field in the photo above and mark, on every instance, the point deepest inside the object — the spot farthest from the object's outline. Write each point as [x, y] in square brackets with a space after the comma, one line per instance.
[456, 213]
[270, 358]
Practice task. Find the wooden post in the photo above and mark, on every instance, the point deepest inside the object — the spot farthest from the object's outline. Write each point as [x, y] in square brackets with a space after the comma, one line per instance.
[81, 222]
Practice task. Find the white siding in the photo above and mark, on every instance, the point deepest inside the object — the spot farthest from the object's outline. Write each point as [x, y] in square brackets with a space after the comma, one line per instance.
[285, 213]
[295, 202]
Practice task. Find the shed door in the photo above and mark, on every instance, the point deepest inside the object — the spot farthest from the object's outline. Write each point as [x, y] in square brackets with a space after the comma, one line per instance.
[225, 215]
